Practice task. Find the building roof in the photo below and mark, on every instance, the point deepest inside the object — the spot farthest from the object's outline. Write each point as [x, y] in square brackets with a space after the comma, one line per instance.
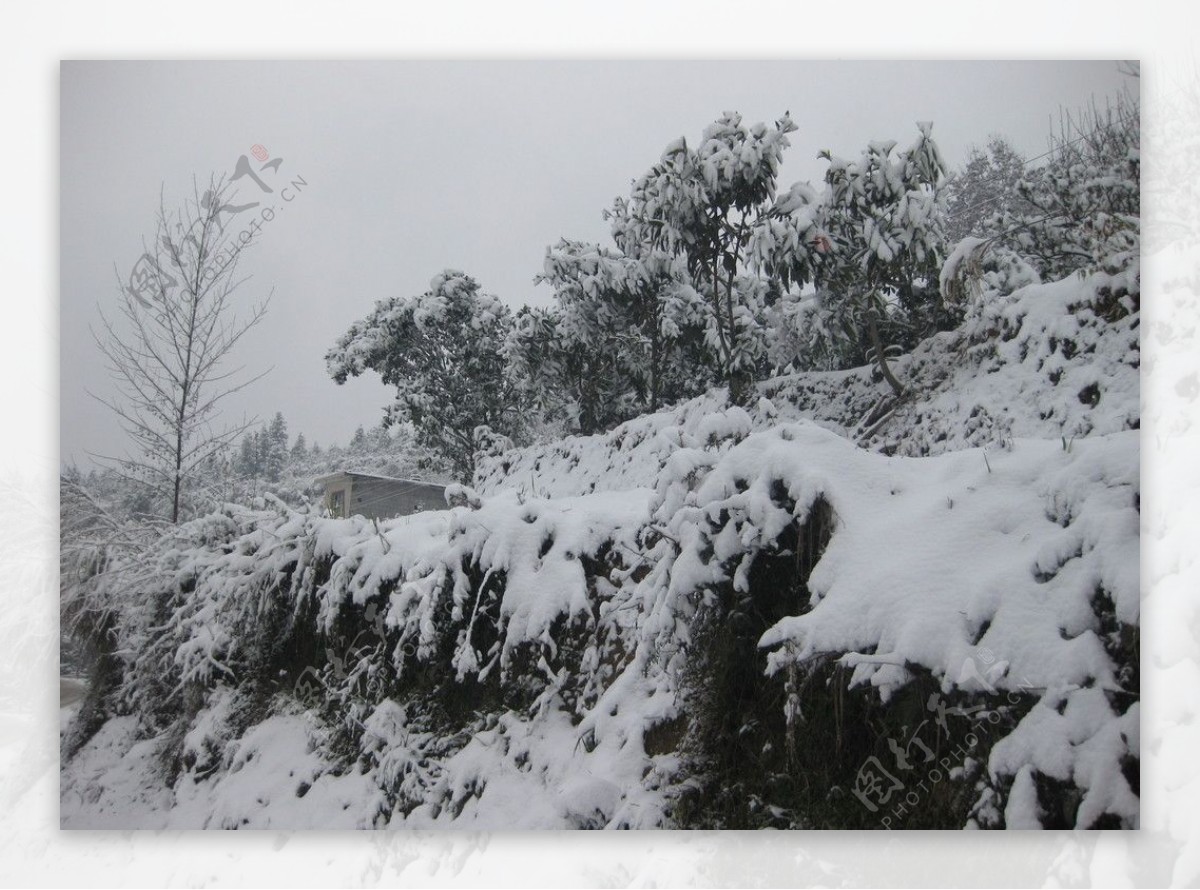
[356, 474]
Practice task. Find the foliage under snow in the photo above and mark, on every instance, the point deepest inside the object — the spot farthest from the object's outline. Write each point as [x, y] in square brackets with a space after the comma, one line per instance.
[824, 599]
[568, 645]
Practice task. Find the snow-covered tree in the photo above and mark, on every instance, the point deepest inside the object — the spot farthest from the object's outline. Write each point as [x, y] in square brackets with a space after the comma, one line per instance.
[559, 380]
[1078, 211]
[986, 185]
[300, 448]
[624, 338]
[168, 347]
[275, 450]
[248, 464]
[879, 268]
[565, 381]
[380, 438]
[714, 206]
[442, 350]
[1082, 208]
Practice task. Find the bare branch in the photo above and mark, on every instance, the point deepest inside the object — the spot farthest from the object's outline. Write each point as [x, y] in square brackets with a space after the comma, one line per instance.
[167, 356]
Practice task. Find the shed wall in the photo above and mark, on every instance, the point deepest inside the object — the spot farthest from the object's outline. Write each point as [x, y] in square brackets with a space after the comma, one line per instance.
[385, 498]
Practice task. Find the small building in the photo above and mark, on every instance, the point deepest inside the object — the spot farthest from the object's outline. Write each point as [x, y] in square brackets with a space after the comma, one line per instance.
[379, 497]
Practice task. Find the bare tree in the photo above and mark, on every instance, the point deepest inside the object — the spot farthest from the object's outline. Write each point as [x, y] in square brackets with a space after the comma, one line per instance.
[169, 344]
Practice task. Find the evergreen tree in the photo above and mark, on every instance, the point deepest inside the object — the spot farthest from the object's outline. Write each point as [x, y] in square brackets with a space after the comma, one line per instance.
[275, 448]
[563, 379]
[714, 206]
[443, 351]
[625, 337]
[262, 449]
[878, 274]
[986, 186]
[247, 463]
[380, 439]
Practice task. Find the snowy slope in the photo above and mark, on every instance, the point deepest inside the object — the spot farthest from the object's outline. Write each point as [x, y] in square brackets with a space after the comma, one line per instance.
[706, 617]
[1050, 361]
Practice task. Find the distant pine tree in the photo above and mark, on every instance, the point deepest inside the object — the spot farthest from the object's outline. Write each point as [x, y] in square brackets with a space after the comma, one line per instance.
[986, 186]
[247, 461]
[275, 448]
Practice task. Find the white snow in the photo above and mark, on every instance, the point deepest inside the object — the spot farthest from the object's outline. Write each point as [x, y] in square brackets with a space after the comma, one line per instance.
[1004, 516]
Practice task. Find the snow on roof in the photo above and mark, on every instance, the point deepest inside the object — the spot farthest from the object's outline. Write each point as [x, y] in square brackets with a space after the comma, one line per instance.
[325, 480]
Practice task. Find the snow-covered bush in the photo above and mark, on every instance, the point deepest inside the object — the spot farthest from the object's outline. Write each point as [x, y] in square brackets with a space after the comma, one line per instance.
[524, 661]
[1077, 211]
[1084, 204]
[799, 603]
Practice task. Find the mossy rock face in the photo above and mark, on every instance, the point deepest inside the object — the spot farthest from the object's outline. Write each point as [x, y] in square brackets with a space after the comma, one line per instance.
[845, 759]
[848, 761]
[737, 748]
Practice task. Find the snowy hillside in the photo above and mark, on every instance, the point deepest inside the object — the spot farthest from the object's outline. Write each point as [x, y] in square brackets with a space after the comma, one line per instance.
[829, 610]
[1049, 361]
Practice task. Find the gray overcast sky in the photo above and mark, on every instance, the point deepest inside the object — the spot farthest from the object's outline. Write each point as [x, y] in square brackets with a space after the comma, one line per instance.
[413, 167]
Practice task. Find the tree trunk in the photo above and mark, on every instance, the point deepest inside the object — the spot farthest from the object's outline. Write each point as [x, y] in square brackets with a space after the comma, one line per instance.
[880, 358]
[178, 481]
[655, 361]
[740, 387]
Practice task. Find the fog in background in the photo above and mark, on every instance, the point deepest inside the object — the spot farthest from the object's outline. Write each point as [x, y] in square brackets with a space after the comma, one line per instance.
[413, 167]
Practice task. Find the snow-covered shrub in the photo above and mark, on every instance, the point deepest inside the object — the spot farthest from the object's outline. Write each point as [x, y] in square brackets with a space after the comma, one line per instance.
[1079, 210]
[810, 609]
[470, 665]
